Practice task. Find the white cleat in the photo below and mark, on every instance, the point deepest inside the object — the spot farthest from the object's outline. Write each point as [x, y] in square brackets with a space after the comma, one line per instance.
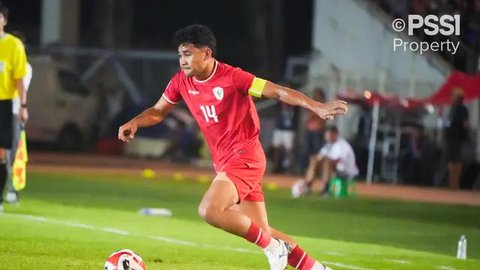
[11, 197]
[277, 255]
[319, 266]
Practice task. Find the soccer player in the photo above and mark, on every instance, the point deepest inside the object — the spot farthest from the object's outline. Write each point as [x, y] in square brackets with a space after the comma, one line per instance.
[219, 97]
[13, 67]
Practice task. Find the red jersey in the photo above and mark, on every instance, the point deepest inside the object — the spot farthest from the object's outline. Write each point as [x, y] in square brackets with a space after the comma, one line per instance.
[222, 107]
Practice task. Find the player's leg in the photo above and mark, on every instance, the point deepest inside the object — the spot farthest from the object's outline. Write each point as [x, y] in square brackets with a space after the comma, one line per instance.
[3, 172]
[328, 169]
[297, 258]
[12, 195]
[215, 204]
[5, 142]
[313, 165]
[454, 164]
[215, 209]
[257, 213]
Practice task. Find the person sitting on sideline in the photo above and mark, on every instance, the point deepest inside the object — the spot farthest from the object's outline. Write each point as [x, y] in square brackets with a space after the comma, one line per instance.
[336, 157]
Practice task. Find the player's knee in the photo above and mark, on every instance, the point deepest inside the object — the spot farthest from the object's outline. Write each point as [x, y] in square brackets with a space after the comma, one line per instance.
[209, 213]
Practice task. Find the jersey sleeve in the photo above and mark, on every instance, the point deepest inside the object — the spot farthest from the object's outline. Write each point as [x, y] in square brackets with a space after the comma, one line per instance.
[172, 92]
[19, 61]
[247, 83]
[28, 77]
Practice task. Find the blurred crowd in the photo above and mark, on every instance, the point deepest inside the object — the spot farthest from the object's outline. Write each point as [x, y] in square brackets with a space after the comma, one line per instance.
[301, 141]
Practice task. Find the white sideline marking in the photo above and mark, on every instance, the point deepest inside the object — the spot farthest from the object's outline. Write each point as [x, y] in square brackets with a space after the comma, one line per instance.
[348, 266]
[241, 250]
[173, 241]
[165, 239]
[115, 231]
[122, 232]
[335, 253]
[398, 261]
[443, 267]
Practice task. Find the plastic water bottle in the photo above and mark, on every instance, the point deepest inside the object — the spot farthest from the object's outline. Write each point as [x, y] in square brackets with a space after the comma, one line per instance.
[462, 248]
[160, 212]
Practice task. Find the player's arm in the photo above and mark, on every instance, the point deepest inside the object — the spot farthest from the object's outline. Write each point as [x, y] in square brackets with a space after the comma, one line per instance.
[22, 93]
[149, 117]
[267, 89]
[19, 64]
[334, 162]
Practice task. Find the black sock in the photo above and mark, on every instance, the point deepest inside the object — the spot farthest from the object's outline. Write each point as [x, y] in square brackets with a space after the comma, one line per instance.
[3, 178]
[326, 188]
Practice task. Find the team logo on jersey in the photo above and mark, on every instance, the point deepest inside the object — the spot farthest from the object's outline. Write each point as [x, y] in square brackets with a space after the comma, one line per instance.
[218, 92]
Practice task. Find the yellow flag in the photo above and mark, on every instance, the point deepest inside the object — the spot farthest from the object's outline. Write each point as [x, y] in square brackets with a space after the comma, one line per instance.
[19, 177]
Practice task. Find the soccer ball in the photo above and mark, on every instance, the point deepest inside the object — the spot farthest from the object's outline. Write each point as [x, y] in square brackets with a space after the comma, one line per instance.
[124, 259]
[299, 188]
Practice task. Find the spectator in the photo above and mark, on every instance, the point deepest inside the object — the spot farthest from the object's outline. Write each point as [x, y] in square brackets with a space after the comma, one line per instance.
[184, 144]
[418, 158]
[284, 136]
[335, 158]
[313, 131]
[471, 22]
[456, 135]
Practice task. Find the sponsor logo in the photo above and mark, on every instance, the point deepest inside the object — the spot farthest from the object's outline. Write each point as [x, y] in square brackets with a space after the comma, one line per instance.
[193, 92]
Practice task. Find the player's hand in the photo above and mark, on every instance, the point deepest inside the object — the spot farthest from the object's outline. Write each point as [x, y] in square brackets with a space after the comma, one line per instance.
[329, 110]
[23, 115]
[127, 131]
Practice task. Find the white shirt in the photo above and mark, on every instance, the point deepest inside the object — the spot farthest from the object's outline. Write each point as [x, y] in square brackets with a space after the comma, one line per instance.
[26, 81]
[342, 151]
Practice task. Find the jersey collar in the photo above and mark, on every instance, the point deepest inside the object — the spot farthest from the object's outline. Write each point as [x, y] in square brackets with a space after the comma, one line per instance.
[211, 76]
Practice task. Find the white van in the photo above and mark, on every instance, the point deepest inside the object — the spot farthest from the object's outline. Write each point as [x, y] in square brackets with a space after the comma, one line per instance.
[61, 109]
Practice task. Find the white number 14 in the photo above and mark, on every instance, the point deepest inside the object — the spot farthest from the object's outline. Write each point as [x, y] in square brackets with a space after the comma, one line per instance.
[209, 113]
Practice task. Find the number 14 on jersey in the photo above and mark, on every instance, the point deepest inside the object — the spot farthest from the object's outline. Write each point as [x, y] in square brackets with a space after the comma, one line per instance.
[209, 113]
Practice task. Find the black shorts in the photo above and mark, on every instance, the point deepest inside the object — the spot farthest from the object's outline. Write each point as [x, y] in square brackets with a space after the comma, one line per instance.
[454, 150]
[6, 124]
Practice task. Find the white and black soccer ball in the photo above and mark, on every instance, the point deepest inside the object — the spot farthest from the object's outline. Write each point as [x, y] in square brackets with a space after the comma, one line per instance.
[299, 188]
[125, 259]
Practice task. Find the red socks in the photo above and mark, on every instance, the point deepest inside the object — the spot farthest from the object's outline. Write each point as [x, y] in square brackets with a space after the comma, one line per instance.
[299, 259]
[258, 236]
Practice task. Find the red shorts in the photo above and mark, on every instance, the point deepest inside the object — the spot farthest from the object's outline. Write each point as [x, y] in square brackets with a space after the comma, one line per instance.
[246, 169]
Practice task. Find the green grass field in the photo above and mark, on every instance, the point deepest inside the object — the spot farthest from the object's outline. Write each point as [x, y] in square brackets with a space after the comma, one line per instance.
[74, 221]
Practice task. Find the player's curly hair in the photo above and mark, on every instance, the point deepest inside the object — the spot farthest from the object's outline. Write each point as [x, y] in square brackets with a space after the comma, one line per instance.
[4, 10]
[198, 35]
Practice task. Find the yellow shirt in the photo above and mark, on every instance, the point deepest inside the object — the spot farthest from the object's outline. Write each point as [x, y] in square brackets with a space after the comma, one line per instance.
[13, 65]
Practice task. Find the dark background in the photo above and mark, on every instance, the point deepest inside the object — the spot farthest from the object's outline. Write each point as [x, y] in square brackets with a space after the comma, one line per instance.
[258, 35]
